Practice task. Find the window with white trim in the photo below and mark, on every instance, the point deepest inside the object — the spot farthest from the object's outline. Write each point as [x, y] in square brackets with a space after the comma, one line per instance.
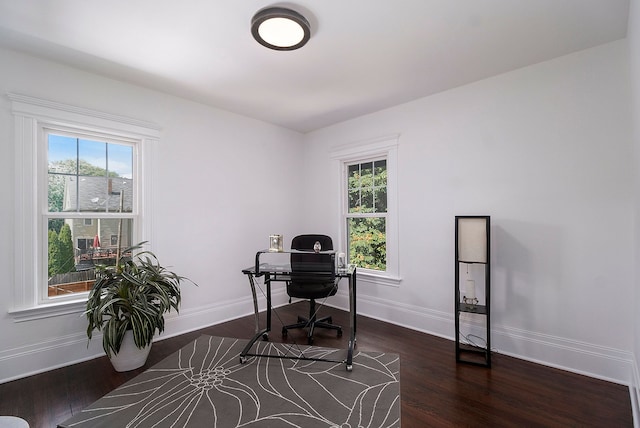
[90, 196]
[368, 204]
[83, 177]
[366, 214]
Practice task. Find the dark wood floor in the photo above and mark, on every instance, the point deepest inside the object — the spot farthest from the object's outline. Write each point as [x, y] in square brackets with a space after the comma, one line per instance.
[436, 392]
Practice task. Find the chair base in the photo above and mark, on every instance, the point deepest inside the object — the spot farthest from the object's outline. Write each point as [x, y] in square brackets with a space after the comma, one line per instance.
[312, 324]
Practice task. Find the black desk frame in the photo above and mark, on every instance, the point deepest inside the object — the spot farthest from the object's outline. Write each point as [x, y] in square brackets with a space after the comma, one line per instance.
[282, 273]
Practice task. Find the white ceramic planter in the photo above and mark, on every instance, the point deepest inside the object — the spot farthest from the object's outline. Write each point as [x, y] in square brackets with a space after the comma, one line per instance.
[130, 356]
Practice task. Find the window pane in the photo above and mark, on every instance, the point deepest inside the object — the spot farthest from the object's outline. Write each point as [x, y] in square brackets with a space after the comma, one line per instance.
[353, 178]
[120, 195]
[56, 193]
[76, 246]
[381, 200]
[62, 154]
[354, 201]
[92, 194]
[367, 200]
[380, 173]
[366, 174]
[367, 242]
[120, 160]
[92, 158]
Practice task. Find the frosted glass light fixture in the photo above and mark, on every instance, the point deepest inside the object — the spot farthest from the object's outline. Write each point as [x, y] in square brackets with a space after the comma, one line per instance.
[280, 29]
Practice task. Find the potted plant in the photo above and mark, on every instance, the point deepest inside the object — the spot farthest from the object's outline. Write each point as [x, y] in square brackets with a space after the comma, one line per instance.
[127, 304]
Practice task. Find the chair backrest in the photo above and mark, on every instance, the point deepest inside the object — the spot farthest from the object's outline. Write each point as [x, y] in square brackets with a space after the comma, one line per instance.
[312, 267]
[306, 242]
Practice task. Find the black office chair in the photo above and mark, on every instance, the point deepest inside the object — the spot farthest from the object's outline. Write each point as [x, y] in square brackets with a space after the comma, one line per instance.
[312, 277]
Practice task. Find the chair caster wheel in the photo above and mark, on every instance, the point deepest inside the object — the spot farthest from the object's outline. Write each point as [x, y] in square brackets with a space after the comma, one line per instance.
[265, 337]
[310, 341]
[339, 333]
[284, 332]
[349, 367]
[243, 360]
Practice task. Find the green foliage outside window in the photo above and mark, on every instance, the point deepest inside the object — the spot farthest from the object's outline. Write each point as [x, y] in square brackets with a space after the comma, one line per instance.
[368, 243]
[61, 259]
[366, 222]
[54, 250]
[80, 167]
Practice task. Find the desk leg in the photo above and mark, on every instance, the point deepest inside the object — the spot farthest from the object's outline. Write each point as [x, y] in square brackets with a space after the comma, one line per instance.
[267, 281]
[259, 333]
[355, 309]
[352, 320]
[255, 302]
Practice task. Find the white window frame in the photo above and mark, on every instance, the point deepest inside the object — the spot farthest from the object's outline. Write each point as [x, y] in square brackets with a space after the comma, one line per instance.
[31, 117]
[364, 151]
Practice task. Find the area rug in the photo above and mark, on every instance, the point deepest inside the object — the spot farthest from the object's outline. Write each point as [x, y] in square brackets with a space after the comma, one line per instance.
[205, 385]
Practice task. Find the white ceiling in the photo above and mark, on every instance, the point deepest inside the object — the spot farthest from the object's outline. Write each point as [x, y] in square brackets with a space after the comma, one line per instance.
[363, 56]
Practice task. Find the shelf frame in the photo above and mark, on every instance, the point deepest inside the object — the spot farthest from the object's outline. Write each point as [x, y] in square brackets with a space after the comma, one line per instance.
[466, 353]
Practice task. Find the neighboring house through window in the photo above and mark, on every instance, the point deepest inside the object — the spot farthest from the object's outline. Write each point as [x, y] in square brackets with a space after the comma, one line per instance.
[90, 196]
[368, 203]
[87, 168]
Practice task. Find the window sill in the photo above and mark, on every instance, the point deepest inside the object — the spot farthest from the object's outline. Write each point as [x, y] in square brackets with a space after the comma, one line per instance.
[49, 310]
[379, 278]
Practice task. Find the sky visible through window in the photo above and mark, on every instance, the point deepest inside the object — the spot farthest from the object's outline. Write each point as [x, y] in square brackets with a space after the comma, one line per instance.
[119, 156]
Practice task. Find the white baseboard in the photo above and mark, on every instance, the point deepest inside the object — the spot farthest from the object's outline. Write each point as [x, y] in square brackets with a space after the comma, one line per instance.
[66, 350]
[592, 360]
[47, 355]
[601, 362]
[579, 357]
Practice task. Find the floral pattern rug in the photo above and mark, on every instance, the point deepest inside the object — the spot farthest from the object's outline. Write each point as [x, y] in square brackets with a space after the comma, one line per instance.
[205, 385]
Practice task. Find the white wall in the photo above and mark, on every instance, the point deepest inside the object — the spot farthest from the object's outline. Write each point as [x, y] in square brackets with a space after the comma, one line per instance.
[215, 203]
[633, 37]
[545, 151]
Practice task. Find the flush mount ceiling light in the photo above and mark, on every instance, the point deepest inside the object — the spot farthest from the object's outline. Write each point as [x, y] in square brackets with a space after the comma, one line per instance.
[280, 29]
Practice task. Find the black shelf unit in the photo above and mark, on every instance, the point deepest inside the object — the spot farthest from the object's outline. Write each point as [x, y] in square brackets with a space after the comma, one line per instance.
[472, 247]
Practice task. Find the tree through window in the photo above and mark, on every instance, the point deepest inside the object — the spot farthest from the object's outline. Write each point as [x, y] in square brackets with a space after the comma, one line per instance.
[367, 214]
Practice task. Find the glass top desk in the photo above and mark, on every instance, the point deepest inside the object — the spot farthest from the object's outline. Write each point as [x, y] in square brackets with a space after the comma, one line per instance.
[281, 271]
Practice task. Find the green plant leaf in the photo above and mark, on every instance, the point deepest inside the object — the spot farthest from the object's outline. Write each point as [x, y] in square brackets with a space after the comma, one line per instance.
[132, 295]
